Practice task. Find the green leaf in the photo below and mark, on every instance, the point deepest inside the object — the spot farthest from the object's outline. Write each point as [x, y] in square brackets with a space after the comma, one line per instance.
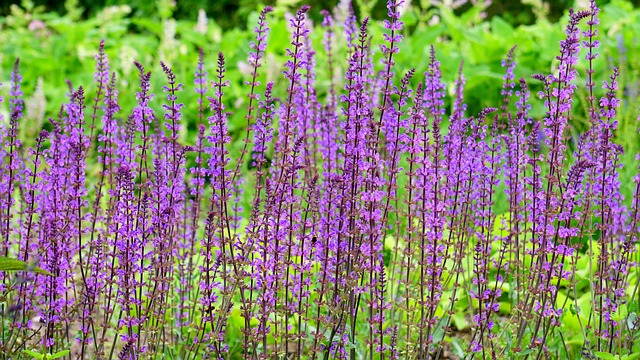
[459, 321]
[457, 349]
[632, 320]
[59, 354]
[33, 354]
[9, 264]
[438, 333]
[501, 28]
[604, 355]
[153, 26]
[526, 352]
[575, 309]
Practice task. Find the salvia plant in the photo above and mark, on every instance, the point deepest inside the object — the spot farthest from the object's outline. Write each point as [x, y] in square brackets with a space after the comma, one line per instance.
[360, 219]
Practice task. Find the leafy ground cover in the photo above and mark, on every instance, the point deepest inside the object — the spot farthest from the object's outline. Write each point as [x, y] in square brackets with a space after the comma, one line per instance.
[57, 48]
[366, 209]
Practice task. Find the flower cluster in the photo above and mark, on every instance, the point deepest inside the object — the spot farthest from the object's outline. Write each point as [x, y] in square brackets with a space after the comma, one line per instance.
[360, 216]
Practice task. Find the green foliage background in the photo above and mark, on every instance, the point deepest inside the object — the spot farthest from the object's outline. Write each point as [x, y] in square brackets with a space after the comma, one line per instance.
[234, 13]
[57, 42]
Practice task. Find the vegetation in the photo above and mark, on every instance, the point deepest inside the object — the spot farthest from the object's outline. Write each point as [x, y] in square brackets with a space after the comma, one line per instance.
[353, 189]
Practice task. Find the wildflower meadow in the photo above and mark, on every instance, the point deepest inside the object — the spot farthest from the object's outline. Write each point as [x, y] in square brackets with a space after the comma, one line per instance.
[357, 210]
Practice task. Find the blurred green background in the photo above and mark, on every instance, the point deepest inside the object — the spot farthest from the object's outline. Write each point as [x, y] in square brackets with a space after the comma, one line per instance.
[234, 13]
[56, 41]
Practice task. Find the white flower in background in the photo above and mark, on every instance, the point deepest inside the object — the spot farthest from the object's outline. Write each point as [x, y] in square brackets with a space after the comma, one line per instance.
[168, 45]
[36, 104]
[272, 70]
[582, 5]
[201, 25]
[127, 56]
[541, 8]
[451, 4]
[111, 13]
[245, 69]
[435, 20]
[169, 32]
[404, 7]
[341, 11]
[35, 107]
